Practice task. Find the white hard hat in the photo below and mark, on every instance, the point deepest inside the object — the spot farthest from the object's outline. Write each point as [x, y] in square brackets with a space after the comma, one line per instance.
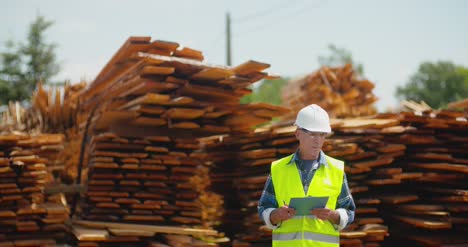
[313, 118]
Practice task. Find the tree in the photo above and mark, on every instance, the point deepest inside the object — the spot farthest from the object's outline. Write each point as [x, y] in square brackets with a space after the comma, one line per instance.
[24, 65]
[437, 84]
[269, 91]
[340, 57]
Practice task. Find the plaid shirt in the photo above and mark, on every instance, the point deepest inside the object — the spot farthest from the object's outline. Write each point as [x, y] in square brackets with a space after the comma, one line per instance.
[307, 169]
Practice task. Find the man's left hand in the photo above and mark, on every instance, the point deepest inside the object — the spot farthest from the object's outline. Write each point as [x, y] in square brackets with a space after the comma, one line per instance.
[326, 214]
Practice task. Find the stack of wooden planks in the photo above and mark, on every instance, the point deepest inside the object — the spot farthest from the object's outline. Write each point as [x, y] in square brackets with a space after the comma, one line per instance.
[257, 151]
[338, 90]
[142, 117]
[27, 218]
[158, 85]
[54, 110]
[156, 180]
[13, 118]
[421, 194]
[432, 206]
[94, 233]
[369, 167]
[461, 104]
[51, 111]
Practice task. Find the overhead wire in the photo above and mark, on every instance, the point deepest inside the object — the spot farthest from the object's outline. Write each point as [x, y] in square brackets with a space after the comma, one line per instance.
[286, 4]
[283, 19]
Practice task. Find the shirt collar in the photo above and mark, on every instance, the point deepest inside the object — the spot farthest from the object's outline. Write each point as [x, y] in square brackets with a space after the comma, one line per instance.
[321, 158]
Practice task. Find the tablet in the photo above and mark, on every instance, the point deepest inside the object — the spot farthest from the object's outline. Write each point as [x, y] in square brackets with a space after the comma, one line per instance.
[303, 205]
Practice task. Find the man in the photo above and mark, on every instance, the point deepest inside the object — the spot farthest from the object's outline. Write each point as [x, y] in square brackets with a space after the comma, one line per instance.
[307, 172]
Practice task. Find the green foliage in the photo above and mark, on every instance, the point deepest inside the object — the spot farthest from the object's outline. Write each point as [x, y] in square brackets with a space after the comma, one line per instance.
[339, 57]
[269, 91]
[22, 66]
[437, 84]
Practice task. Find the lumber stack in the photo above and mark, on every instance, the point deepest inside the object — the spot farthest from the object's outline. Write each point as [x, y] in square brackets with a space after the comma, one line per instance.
[248, 164]
[159, 86]
[154, 180]
[461, 104]
[143, 115]
[370, 170]
[425, 187]
[337, 90]
[93, 233]
[52, 110]
[26, 217]
[436, 144]
[13, 118]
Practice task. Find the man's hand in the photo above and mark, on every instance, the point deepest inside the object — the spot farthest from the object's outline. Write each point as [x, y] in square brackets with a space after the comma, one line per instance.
[326, 214]
[281, 214]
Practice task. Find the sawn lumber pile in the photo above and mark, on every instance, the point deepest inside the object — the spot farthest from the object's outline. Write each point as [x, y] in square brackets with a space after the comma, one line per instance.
[254, 154]
[157, 85]
[142, 117]
[52, 111]
[398, 167]
[429, 207]
[27, 217]
[338, 90]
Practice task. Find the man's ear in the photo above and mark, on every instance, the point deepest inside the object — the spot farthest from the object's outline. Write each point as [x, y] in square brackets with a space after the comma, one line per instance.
[297, 133]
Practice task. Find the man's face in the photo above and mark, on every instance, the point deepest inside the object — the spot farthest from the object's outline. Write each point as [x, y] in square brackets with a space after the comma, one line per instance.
[309, 141]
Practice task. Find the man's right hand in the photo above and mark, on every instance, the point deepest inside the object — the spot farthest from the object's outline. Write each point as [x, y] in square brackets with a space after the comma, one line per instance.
[281, 214]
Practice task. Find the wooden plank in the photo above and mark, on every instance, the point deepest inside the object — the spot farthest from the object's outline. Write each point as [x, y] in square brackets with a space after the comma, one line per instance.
[184, 125]
[391, 148]
[373, 163]
[249, 67]
[147, 109]
[157, 70]
[189, 53]
[147, 121]
[86, 234]
[353, 234]
[109, 117]
[183, 113]
[139, 86]
[150, 98]
[398, 199]
[421, 223]
[463, 104]
[207, 94]
[130, 232]
[441, 166]
[212, 74]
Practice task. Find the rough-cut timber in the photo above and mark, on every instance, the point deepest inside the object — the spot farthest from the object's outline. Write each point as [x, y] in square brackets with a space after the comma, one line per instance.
[339, 91]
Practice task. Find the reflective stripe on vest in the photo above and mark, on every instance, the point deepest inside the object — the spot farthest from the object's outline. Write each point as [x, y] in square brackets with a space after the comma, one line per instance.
[307, 236]
[306, 230]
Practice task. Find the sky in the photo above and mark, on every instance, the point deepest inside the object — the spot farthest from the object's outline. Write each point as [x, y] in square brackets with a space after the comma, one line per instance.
[390, 38]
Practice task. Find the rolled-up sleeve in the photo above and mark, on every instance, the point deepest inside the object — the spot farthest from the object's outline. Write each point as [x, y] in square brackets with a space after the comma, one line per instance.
[267, 203]
[345, 205]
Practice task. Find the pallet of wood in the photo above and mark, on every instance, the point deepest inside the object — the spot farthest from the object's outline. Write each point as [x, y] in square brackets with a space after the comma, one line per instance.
[142, 117]
[340, 91]
[156, 180]
[26, 216]
[426, 183]
[94, 233]
[245, 165]
[156, 85]
[51, 111]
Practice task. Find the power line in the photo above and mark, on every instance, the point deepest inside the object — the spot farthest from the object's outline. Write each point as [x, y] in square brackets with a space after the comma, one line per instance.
[266, 12]
[283, 19]
[214, 42]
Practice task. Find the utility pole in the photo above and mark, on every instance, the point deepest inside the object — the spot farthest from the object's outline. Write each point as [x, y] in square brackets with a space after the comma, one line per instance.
[228, 39]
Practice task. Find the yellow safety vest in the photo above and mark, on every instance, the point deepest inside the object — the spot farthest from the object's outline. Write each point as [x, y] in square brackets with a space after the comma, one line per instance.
[306, 231]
